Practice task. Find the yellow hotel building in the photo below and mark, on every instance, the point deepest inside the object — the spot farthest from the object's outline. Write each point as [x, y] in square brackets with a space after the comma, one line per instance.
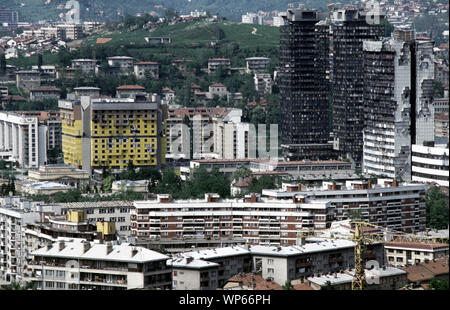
[111, 132]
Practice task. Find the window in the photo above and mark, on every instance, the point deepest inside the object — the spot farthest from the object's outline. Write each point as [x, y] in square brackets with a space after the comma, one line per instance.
[270, 261]
[270, 270]
[400, 259]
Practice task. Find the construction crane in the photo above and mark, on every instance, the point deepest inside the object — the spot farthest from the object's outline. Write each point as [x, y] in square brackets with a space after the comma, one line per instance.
[362, 238]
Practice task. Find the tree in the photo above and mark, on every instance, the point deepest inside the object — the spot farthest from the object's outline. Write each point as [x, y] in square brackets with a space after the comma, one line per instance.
[241, 172]
[436, 205]
[40, 61]
[438, 284]
[3, 64]
[107, 183]
[287, 286]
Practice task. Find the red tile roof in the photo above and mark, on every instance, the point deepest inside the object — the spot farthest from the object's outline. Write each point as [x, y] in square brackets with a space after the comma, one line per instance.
[103, 40]
[254, 281]
[130, 87]
[244, 183]
[146, 63]
[302, 287]
[13, 98]
[46, 88]
[430, 246]
[217, 85]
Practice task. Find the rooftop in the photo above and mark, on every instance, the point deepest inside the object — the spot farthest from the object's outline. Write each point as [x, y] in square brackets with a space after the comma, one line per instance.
[97, 251]
[251, 281]
[130, 87]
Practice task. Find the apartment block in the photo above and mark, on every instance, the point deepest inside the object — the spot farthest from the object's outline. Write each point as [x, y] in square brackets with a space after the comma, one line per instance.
[263, 84]
[111, 132]
[117, 212]
[81, 265]
[300, 261]
[23, 139]
[257, 64]
[209, 268]
[12, 244]
[265, 222]
[388, 204]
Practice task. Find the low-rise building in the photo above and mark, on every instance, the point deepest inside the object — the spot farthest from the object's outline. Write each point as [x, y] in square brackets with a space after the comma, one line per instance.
[193, 274]
[281, 264]
[28, 79]
[421, 274]
[81, 265]
[379, 278]
[86, 91]
[61, 173]
[127, 91]
[144, 69]
[263, 84]
[250, 281]
[218, 90]
[86, 66]
[400, 254]
[43, 188]
[140, 186]
[44, 93]
[215, 63]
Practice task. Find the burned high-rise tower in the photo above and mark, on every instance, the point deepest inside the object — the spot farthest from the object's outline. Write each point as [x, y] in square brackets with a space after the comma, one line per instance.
[304, 86]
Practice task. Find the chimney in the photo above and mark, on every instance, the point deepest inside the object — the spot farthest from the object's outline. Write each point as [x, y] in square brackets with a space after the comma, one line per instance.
[134, 251]
[109, 247]
[49, 246]
[61, 245]
[189, 260]
[164, 198]
[86, 246]
[333, 186]
[251, 198]
[212, 197]
[369, 185]
[395, 183]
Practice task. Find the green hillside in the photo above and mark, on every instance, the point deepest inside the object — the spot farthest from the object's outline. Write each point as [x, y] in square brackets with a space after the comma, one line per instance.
[200, 33]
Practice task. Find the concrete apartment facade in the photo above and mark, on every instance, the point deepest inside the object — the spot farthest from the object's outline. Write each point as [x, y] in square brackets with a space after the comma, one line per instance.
[111, 133]
[89, 265]
[265, 222]
[23, 139]
[403, 254]
[387, 204]
[430, 164]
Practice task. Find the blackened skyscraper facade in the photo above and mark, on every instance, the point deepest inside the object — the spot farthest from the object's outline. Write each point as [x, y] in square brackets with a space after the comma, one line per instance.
[304, 86]
[349, 29]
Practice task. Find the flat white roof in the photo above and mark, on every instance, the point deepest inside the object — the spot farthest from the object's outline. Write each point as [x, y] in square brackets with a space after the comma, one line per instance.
[182, 262]
[121, 253]
[320, 246]
[216, 252]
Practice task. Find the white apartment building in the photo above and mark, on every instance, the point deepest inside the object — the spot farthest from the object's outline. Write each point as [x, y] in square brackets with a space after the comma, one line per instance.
[386, 135]
[81, 265]
[291, 262]
[263, 83]
[258, 221]
[117, 212]
[208, 269]
[388, 204]
[278, 21]
[124, 63]
[257, 64]
[430, 164]
[12, 244]
[23, 139]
